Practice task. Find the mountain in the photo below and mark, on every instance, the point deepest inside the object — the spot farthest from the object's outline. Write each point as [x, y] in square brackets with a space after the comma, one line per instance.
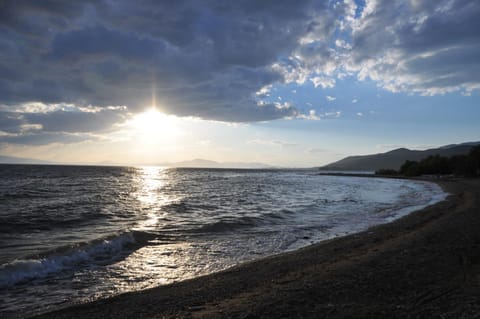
[395, 158]
[20, 160]
[198, 162]
[203, 163]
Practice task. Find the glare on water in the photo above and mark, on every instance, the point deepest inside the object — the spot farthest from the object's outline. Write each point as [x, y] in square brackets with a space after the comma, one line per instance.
[150, 181]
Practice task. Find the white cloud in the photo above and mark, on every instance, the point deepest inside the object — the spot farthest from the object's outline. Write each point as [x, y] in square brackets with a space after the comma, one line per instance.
[324, 82]
[264, 91]
[30, 127]
[343, 44]
[312, 115]
[330, 98]
[333, 114]
[422, 48]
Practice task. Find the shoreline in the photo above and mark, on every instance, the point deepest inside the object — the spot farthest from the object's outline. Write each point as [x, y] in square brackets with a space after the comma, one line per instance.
[424, 264]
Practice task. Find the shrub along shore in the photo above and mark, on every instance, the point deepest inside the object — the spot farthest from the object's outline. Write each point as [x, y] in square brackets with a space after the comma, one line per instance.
[467, 165]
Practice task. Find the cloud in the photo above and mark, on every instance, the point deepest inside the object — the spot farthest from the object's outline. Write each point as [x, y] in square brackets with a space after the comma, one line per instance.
[76, 121]
[42, 124]
[427, 47]
[405, 46]
[324, 82]
[343, 44]
[331, 114]
[264, 91]
[11, 122]
[314, 116]
[202, 58]
[44, 138]
[219, 60]
[330, 98]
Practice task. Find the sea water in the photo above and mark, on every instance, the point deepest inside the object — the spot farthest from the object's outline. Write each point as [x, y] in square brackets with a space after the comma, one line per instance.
[71, 234]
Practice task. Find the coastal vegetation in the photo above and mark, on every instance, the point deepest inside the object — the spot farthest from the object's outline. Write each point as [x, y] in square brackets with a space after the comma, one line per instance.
[467, 165]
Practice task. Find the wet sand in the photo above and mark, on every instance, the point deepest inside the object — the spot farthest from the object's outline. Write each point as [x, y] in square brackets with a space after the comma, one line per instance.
[424, 265]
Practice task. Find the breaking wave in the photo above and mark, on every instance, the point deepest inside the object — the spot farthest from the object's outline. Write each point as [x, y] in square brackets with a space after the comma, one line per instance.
[98, 252]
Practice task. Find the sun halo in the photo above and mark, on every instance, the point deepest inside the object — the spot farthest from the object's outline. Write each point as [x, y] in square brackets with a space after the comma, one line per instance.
[153, 125]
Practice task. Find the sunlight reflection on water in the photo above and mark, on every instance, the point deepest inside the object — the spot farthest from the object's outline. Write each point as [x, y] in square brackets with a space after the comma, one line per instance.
[162, 262]
[159, 262]
[150, 180]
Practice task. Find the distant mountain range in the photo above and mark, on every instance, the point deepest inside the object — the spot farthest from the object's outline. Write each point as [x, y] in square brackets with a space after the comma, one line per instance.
[394, 159]
[196, 163]
[20, 160]
[203, 163]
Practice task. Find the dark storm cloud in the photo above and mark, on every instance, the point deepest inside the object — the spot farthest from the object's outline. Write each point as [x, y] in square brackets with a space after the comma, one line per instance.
[62, 126]
[68, 121]
[203, 58]
[427, 46]
[11, 122]
[101, 43]
[44, 138]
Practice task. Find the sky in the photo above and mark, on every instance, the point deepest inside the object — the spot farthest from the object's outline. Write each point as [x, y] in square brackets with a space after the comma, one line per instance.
[288, 83]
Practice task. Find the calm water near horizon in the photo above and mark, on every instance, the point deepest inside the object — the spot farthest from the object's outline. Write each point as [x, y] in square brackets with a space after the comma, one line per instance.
[71, 234]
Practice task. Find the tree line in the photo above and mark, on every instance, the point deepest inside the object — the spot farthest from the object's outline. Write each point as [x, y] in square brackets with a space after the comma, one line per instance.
[467, 165]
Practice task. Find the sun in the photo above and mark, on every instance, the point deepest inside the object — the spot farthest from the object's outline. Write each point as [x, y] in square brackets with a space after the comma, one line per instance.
[153, 125]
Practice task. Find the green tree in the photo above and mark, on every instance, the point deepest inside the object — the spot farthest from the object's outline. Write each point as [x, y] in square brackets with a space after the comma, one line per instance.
[475, 155]
[435, 164]
[463, 165]
[410, 168]
[386, 171]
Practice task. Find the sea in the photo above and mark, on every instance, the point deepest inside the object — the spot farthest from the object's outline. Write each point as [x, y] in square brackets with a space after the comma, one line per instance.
[73, 234]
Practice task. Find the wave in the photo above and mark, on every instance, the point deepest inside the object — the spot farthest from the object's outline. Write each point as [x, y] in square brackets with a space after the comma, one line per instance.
[227, 225]
[27, 194]
[97, 252]
[243, 222]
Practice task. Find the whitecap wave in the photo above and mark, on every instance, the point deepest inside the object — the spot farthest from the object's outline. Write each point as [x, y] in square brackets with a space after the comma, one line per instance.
[97, 252]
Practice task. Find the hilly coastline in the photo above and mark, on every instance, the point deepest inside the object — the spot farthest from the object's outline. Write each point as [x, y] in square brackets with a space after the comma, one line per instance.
[395, 158]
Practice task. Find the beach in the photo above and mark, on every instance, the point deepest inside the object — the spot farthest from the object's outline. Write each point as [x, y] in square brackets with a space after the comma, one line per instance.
[424, 265]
